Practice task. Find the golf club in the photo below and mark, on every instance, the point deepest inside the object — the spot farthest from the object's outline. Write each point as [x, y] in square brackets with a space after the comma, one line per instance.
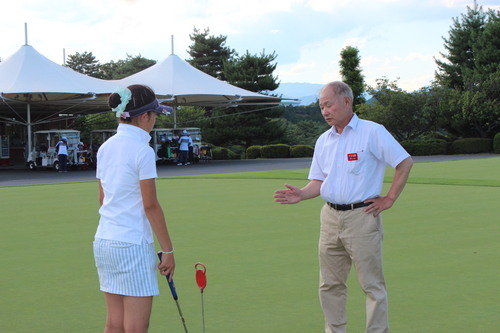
[174, 295]
[201, 280]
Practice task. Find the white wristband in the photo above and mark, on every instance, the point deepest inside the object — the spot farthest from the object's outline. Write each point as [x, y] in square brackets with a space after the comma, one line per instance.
[167, 252]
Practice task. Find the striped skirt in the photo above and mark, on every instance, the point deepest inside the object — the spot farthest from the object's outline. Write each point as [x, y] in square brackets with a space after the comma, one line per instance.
[125, 268]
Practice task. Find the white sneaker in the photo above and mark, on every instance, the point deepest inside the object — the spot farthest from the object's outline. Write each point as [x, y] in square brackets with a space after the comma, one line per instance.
[179, 163]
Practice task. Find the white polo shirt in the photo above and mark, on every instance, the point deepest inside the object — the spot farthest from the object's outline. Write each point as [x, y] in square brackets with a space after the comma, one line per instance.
[184, 142]
[352, 164]
[122, 162]
[62, 148]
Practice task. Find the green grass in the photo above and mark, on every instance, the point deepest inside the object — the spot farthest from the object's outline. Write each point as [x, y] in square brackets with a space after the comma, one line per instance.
[441, 254]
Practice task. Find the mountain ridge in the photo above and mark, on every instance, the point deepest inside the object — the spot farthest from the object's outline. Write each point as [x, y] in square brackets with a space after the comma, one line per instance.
[307, 92]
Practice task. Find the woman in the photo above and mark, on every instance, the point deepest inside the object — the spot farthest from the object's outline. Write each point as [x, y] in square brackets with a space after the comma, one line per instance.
[130, 212]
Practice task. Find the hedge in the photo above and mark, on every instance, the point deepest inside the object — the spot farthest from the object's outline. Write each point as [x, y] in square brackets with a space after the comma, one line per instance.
[222, 153]
[496, 143]
[301, 151]
[238, 150]
[426, 147]
[413, 147]
[275, 151]
[471, 146]
[253, 152]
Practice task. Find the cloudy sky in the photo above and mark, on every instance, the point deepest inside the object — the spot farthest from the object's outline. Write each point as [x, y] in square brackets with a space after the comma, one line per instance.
[396, 38]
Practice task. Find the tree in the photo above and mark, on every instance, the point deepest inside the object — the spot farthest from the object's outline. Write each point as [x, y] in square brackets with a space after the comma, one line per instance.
[187, 116]
[408, 116]
[248, 125]
[123, 68]
[295, 114]
[472, 73]
[487, 47]
[460, 46]
[351, 73]
[208, 53]
[86, 124]
[243, 125]
[85, 63]
[252, 72]
[473, 113]
[304, 132]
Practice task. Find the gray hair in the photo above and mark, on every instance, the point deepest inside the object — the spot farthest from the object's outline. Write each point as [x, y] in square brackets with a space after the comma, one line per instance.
[339, 88]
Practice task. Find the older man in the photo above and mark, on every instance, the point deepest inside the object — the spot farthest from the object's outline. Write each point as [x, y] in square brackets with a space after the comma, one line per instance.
[347, 171]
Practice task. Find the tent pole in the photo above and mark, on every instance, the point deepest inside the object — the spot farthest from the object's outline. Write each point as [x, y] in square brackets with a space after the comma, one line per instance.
[175, 116]
[25, 33]
[174, 108]
[28, 157]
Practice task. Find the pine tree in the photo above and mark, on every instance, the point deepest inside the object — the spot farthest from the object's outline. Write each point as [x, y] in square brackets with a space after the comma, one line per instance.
[487, 49]
[252, 72]
[351, 73]
[123, 68]
[472, 73]
[461, 49]
[208, 53]
[248, 125]
[85, 63]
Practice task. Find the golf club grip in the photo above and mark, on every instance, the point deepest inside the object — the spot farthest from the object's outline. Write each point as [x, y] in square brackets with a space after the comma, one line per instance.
[170, 282]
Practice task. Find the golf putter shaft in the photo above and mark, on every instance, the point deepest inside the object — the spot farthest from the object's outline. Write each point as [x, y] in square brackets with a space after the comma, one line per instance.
[175, 297]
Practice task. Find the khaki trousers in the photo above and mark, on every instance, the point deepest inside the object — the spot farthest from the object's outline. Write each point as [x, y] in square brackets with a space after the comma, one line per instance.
[347, 237]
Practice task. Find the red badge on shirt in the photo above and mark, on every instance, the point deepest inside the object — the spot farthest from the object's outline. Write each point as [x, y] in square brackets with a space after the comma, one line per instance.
[352, 157]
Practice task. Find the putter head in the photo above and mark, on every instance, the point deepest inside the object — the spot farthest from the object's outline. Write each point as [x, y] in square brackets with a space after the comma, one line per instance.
[201, 278]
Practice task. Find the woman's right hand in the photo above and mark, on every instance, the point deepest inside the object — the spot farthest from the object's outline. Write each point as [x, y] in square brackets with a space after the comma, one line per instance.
[167, 265]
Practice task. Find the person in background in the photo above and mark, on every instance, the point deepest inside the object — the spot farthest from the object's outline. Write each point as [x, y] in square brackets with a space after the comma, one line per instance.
[174, 145]
[184, 148]
[190, 149]
[81, 146]
[347, 171]
[129, 214]
[62, 154]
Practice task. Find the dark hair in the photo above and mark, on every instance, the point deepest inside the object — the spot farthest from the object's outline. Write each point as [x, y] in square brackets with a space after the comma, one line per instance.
[141, 95]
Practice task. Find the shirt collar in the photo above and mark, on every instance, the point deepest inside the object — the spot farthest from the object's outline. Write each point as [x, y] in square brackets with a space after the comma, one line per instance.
[134, 131]
[353, 124]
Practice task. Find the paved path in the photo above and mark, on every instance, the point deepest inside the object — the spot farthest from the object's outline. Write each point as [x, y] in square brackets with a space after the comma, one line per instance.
[21, 176]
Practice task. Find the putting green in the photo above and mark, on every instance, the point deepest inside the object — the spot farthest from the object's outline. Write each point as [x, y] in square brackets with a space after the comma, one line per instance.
[440, 255]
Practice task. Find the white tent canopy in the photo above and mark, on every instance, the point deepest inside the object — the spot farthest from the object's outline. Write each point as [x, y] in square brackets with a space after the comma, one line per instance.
[33, 85]
[28, 76]
[31, 82]
[182, 84]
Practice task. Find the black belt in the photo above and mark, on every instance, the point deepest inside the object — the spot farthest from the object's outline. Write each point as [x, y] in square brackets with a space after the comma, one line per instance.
[348, 206]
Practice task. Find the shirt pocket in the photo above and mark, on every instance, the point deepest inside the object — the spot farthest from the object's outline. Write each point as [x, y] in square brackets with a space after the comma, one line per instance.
[357, 163]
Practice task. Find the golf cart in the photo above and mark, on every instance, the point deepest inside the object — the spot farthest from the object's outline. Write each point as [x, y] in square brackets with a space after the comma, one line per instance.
[205, 152]
[97, 138]
[43, 153]
[164, 143]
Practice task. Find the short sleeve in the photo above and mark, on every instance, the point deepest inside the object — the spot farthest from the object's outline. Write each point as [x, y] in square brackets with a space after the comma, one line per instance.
[147, 164]
[387, 148]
